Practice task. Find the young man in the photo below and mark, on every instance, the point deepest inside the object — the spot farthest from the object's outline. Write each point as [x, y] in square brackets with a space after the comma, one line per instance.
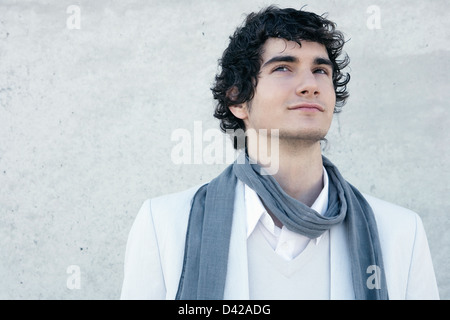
[298, 232]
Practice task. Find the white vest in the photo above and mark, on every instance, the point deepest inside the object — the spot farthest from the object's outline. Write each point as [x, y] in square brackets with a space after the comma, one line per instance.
[305, 277]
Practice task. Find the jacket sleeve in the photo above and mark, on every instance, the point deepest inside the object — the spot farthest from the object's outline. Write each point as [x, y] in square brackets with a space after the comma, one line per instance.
[143, 276]
[421, 279]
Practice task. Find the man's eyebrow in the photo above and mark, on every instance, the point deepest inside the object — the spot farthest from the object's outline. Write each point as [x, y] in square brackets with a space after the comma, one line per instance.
[276, 59]
[325, 61]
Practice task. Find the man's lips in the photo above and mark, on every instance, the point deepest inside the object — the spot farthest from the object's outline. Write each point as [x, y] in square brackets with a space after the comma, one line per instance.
[307, 107]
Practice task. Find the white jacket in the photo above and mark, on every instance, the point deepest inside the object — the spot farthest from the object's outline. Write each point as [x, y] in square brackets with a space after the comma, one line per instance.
[155, 251]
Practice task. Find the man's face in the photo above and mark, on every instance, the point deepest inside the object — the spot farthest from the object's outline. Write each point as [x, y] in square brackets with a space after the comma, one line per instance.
[295, 92]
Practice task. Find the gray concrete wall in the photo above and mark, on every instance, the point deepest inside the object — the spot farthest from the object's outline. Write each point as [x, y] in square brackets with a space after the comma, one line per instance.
[88, 108]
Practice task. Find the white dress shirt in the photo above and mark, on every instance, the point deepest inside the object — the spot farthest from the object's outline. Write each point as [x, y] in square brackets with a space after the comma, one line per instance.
[286, 243]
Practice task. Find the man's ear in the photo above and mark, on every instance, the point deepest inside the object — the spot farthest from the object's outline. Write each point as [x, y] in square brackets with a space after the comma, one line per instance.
[240, 111]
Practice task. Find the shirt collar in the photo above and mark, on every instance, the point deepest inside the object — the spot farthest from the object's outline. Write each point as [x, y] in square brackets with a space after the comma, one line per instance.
[255, 209]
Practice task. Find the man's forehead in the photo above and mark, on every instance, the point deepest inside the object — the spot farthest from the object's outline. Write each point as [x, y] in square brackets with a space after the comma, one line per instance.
[280, 46]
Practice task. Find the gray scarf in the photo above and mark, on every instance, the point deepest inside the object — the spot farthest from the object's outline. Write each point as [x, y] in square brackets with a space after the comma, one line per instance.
[208, 235]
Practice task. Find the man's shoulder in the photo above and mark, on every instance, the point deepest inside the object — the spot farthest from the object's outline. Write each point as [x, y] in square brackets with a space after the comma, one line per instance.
[167, 214]
[383, 207]
[393, 221]
[176, 197]
[173, 202]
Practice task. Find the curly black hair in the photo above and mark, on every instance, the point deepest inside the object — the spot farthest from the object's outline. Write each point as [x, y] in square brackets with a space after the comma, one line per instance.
[241, 60]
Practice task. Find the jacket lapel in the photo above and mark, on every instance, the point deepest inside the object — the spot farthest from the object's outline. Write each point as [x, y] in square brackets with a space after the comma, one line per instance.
[341, 284]
[236, 284]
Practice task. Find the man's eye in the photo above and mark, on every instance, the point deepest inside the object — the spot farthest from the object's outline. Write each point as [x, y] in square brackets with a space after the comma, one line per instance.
[281, 68]
[321, 71]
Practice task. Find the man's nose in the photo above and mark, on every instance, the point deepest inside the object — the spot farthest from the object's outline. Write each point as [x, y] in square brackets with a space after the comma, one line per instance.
[307, 85]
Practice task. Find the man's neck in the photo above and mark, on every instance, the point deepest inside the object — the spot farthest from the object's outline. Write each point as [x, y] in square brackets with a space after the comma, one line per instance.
[300, 169]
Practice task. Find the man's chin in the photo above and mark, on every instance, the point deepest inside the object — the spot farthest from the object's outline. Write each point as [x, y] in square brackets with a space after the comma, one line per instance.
[301, 137]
